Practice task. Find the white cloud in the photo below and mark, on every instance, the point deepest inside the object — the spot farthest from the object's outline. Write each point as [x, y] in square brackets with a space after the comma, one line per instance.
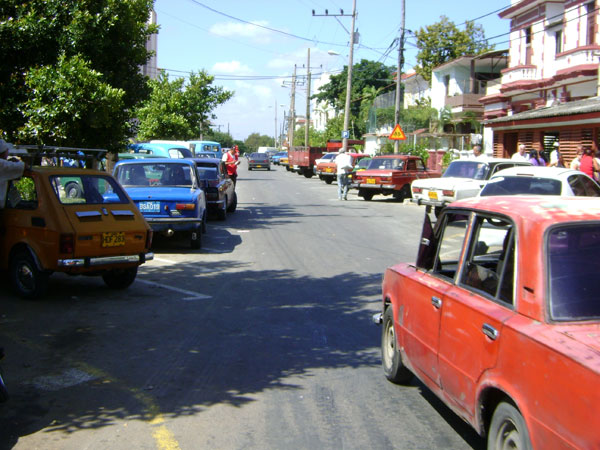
[234, 67]
[244, 30]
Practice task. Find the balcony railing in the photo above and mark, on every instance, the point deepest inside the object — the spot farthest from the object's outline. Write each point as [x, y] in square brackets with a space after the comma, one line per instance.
[519, 73]
[466, 101]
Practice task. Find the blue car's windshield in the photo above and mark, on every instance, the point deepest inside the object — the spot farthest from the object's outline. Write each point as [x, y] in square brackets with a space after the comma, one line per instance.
[154, 174]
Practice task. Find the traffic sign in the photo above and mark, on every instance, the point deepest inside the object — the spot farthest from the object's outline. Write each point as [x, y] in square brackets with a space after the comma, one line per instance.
[345, 134]
[397, 134]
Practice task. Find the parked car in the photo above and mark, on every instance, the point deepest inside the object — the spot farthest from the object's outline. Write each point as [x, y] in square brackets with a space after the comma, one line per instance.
[277, 156]
[167, 193]
[162, 149]
[462, 179]
[390, 175]
[259, 161]
[327, 169]
[221, 197]
[284, 161]
[326, 157]
[539, 180]
[49, 225]
[499, 317]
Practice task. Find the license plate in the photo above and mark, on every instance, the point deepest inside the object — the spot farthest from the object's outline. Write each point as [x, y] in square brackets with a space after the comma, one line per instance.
[433, 195]
[113, 239]
[328, 169]
[258, 165]
[370, 180]
[149, 206]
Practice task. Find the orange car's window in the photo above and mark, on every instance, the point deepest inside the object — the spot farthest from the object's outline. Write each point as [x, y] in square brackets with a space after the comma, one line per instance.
[489, 264]
[573, 272]
[22, 194]
[87, 189]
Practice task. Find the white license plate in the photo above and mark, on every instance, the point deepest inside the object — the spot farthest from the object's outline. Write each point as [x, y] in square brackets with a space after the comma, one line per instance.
[149, 206]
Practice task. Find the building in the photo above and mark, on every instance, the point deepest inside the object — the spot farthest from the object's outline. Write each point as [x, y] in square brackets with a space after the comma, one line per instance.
[548, 90]
[150, 69]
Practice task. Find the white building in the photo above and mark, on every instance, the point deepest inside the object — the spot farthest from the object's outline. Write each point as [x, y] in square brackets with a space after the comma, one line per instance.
[150, 68]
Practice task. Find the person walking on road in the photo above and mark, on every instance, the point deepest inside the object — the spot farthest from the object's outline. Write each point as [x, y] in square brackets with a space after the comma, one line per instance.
[231, 163]
[343, 162]
[9, 170]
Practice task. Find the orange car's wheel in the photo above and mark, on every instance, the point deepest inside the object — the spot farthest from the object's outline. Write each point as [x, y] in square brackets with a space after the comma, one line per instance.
[28, 281]
[508, 429]
[391, 359]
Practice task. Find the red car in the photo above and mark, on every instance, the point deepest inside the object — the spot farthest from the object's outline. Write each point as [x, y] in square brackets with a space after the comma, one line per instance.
[500, 318]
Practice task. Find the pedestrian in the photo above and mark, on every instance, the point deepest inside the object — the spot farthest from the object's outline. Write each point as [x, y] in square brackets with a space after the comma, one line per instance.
[536, 158]
[343, 163]
[520, 154]
[577, 160]
[9, 170]
[231, 164]
[477, 152]
[556, 159]
[588, 164]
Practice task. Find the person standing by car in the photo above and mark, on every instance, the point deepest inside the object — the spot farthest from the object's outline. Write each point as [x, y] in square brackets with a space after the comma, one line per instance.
[343, 162]
[231, 164]
[478, 153]
[536, 158]
[556, 159]
[520, 154]
[9, 170]
[577, 160]
[588, 164]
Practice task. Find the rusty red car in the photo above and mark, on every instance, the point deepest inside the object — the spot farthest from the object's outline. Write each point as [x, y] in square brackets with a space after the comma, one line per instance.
[500, 318]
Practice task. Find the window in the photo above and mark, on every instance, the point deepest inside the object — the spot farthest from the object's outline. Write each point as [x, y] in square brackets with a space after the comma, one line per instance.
[87, 189]
[489, 262]
[590, 12]
[558, 42]
[22, 194]
[528, 46]
[450, 245]
[583, 186]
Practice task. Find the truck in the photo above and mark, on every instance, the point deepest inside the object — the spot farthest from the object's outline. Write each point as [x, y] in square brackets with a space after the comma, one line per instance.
[391, 175]
[302, 159]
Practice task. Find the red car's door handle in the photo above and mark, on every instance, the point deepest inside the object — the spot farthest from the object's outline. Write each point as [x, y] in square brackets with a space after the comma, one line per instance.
[437, 302]
[490, 331]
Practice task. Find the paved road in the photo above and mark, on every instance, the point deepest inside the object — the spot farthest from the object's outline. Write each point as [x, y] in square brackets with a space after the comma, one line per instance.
[262, 339]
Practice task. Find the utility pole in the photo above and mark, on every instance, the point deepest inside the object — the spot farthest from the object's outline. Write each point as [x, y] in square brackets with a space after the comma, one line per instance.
[399, 87]
[346, 131]
[307, 123]
[275, 135]
[292, 110]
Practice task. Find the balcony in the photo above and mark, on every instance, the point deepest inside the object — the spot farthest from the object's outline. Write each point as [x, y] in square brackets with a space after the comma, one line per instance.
[519, 74]
[464, 102]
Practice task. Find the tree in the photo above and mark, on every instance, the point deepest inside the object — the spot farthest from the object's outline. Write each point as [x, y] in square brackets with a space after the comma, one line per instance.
[64, 42]
[443, 41]
[225, 139]
[179, 111]
[255, 140]
[316, 138]
[364, 74]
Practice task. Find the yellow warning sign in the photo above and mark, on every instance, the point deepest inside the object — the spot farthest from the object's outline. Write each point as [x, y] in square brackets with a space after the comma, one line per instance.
[397, 134]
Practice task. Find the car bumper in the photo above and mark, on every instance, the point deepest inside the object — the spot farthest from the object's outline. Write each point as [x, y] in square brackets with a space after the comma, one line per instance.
[170, 223]
[428, 202]
[385, 187]
[106, 260]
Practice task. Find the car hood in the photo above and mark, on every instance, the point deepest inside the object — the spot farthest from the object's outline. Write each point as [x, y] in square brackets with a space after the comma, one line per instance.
[446, 183]
[163, 193]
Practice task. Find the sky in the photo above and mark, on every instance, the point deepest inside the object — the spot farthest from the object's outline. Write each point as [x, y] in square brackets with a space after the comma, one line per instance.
[251, 47]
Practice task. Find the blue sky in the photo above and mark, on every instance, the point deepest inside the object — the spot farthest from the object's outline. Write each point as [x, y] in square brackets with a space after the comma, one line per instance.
[252, 46]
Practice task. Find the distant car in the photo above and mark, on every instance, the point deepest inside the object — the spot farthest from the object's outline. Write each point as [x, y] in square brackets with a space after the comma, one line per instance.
[285, 162]
[463, 178]
[499, 317]
[259, 161]
[206, 155]
[167, 193]
[536, 180]
[70, 220]
[277, 156]
[221, 197]
[162, 149]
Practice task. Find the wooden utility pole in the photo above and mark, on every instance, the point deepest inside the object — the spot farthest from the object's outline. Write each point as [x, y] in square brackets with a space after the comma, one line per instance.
[307, 123]
[349, 82]
[293, 110]
[399, 87]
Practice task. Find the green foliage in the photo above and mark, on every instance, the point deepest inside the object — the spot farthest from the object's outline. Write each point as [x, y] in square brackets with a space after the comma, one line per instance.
[443, 42]
[365, 74]
[69, 102]
[100, 43]
[256, 140]
[334, 128]
[26, 188]
[179, 111]
[225, 139]
[316, 138]
[447, 159]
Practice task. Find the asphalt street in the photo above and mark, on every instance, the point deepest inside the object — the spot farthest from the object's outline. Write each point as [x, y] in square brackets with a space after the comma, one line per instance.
[261, 339]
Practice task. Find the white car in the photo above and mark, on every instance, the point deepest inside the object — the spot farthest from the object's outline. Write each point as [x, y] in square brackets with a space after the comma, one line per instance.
[463, 178]
[537, 180]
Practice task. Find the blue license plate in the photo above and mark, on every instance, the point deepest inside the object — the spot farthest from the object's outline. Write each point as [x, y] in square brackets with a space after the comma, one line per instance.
[149, 207]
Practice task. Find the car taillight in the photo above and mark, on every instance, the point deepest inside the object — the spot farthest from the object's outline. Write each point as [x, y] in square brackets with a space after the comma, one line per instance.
[448, 193]
[149, 239]
[417, 190]
[186, 206]
[67, 243]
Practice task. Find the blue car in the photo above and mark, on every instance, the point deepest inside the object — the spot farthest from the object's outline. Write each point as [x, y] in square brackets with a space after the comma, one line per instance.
[168, 194]
[162, 149]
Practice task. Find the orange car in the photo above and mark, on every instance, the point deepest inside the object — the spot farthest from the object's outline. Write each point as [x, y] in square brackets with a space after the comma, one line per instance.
[500, 318]
[77, 221]
[327, 169]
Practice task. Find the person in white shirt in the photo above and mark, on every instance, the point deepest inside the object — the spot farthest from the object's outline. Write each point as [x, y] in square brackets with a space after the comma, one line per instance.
[521, 154]
[556, 159]
[9, 170]
[577, 160]
[477, 152]
[343, 162]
